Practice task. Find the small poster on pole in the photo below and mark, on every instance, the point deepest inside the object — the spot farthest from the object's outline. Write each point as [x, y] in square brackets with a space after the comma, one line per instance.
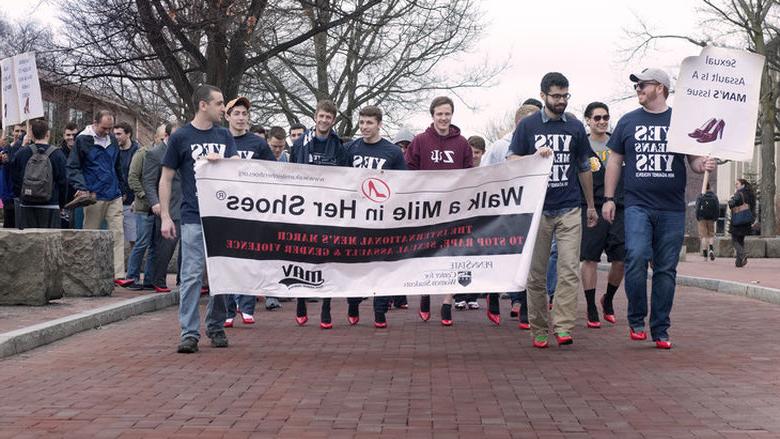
[28, 87]
[9, 96]
[716, 104]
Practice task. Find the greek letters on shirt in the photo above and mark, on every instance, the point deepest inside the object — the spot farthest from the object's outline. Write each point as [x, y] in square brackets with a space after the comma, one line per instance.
[443, 156]
[560, 144]
[650, 148]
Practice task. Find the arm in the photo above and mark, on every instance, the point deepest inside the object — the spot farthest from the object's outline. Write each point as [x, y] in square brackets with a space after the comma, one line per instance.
[75, 176]
[586, 181]
[134, 175]
[167, 228]
[611, 178]
[151, 178]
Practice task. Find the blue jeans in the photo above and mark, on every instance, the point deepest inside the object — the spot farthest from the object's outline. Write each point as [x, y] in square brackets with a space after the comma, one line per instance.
[652, 236]
[144, 225]
[245, 304]
[193, 264]
[552, 268]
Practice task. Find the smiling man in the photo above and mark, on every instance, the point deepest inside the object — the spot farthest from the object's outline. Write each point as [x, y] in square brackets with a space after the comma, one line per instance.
[440, 146]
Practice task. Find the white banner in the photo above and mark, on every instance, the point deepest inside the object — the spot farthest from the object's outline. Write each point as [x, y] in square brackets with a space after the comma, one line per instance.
[716, 104]
[28, 87]
[290, 230]
[10, 97]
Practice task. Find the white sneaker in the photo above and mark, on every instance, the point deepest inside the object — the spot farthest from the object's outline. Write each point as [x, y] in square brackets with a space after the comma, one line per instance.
[474, 305]
[460, 305]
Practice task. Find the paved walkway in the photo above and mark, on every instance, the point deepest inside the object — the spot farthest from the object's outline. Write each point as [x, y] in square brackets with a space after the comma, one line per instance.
[763, 272]
[415, 379]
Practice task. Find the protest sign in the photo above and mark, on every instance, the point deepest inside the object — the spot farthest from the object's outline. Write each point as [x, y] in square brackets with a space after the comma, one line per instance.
[10, 97]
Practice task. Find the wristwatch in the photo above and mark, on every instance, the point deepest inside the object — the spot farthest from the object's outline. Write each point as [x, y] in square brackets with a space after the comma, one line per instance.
[612, 199]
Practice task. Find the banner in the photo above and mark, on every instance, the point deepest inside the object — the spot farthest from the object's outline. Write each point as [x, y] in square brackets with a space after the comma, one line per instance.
[10, 97]
[716, 104]
[28, 87]
[290, 230]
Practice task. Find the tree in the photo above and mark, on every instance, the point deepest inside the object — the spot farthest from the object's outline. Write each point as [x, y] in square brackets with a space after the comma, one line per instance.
[752, 25]
[387, 57]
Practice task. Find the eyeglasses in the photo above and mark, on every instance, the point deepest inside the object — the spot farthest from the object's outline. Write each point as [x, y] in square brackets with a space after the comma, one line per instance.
[560, 97]
[599, 118]
[640, 85]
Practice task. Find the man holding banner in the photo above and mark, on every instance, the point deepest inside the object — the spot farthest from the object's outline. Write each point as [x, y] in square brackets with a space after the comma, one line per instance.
[200, 139]
[654, 182]
[551, 132]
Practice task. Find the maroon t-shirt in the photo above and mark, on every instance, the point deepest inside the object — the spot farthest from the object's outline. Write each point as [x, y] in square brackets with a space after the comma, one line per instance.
[429, 150]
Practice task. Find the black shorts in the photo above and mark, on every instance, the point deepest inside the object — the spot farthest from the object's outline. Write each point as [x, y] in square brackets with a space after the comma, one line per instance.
[604, 237]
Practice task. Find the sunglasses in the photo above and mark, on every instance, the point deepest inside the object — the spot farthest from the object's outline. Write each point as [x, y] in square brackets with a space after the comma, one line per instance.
[599, 118]
[640, 85]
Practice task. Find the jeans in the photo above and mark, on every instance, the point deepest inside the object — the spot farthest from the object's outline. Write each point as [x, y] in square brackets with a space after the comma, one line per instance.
[192, 267]
[245, 304]
[552, 270]
[144, 224]
[657, 236]
[163, 250]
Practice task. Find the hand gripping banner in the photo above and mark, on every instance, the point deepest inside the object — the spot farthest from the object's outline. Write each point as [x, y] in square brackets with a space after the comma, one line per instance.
[290, 230]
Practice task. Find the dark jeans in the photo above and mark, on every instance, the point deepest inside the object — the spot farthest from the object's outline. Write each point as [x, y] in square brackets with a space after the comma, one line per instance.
[466, 297]
[9, 215]
[738, 241]
[164, 249]
[38, 218]
[245, 304]
[657, 236]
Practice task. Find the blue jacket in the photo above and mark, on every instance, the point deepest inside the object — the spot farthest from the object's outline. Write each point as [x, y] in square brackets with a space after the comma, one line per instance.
[60, 184]
[309, 150]
[94, 168]
[6, 182]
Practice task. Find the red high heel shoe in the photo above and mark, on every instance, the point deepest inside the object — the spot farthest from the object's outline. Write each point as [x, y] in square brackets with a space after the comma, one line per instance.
[378, 325]
[716, 133]
[663, 344]
[301, 320]
[608, 317]
[524, 326]
[637, 335]
[324, 325]
[425, 315]
[704, 128]
[446, 322]
[495, 318]
[353, 320]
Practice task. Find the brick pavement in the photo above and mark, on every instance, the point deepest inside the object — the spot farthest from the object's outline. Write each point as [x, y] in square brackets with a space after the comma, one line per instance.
[415, 380]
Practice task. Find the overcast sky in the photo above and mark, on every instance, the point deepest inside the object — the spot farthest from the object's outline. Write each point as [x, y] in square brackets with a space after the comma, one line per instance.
[581, 39]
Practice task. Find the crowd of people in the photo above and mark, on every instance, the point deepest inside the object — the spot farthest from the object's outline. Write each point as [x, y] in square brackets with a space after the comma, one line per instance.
[620, 193]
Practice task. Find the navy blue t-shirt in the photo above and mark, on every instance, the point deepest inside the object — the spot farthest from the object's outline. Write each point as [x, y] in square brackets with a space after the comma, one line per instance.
[186, 145]
[571, 148]
[652, 177]
[252, 146]
[380, 155]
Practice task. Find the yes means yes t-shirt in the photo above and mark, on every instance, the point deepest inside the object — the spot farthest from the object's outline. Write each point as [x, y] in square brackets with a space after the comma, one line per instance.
[186, 145]
[652, 178]
[380, 155]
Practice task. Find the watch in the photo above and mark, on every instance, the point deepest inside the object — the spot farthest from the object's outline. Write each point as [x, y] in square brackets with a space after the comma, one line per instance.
[612, 199]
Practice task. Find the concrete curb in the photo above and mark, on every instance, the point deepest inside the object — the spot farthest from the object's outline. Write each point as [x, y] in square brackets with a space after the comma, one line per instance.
[764, 294]
[31, 337]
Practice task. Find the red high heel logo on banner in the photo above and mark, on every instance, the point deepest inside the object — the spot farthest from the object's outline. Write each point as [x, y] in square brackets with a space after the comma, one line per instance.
[375, 190]
[710, 131]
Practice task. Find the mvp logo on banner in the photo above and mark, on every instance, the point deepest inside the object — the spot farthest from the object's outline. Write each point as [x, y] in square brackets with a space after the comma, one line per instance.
[289, 230]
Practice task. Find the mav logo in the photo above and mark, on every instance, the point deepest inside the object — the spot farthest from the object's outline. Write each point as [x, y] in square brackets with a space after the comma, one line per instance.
[297, 276]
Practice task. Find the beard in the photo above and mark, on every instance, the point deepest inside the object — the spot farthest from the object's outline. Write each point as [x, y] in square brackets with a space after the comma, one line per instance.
[555, 107]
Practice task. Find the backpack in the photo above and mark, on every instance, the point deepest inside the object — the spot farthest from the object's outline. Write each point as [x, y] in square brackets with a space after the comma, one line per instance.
[38, 182]
[707, 207]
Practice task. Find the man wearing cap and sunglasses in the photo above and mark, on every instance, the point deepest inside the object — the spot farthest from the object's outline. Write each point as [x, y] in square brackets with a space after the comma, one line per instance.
[654, 183]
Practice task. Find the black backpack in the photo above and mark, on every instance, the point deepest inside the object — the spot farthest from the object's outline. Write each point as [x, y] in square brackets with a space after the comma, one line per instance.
[707, 207]
[38, 182]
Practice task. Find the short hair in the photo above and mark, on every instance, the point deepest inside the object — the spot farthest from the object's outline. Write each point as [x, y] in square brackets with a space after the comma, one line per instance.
[593, 106]
[441, 100]
[297, 126]
[170, 126]
[327, 106]
[124, 126]
[203, 93]
[18, 125]
[553, 79]
[257, 129]
[71, 126]
[39, 128]
[535, 102]
[100, 114]
[525, 110]
[666, 91]
[477, 142]
[277, 133]
[371, 111]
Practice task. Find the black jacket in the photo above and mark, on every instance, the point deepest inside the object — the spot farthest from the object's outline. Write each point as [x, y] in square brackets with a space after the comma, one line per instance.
[59, 195]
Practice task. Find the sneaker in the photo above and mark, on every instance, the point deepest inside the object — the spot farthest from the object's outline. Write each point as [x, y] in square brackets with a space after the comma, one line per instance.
[135, 287]
[460, 305]
[228, 323]
[188, 346]
[219, 340]
[473, 305]
[712, 255]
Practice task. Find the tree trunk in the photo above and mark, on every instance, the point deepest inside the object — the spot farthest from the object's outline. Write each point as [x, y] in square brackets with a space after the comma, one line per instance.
[768, 168]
